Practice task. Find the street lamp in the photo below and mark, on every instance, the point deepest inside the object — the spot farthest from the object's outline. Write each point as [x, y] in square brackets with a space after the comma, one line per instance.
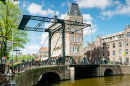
[1, 42]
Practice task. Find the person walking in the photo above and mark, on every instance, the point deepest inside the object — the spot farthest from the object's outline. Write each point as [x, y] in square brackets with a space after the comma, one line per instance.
[84, 59]
[59, 59]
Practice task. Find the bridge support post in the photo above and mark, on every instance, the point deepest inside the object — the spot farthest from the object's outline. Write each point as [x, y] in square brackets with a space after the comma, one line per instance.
[72, 73]
[49, 47]
[63, 42]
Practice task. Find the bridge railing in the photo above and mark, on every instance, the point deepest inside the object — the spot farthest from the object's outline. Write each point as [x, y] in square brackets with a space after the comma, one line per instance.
[53, 61]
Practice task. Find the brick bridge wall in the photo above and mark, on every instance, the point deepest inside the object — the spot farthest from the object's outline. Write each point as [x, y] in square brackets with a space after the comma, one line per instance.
[117, 70]
[30, 77]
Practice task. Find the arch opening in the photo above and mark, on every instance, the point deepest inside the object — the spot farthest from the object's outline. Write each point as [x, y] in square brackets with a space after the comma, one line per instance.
[49, 77]
[108, 72]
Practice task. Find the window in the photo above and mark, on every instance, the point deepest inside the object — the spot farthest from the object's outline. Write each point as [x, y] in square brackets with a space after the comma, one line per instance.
[126, 51]
[107, 46]
[119, 44]
[72, 39]
[128, 34]
[113, 53]
[75, 13]
[127, 60]
[41, 52]
[103, 46]
[120, 52]
[119, 36]
[113, 37]
[108, 53]
[78, 20]
[72, 48]
[102, 40]
[79, 39]
[72, 30]
[73, 20]
[126, 43]
[113, 45]
[45, 52]
[108, 39]
[78, 49]
[103, 54]
[79, 31]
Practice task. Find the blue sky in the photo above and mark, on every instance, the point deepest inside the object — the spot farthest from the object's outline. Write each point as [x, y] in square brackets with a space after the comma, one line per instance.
[105, 16]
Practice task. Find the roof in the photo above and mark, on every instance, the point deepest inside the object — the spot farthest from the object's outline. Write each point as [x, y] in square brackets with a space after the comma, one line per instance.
[43, 48]
[74, 8]
[118, 33]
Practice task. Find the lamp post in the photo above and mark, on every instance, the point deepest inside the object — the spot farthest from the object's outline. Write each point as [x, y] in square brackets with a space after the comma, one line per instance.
[1, 42]
[16, 53]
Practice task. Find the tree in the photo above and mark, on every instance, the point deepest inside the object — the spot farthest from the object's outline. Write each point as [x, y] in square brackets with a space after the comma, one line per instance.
[10, 16]
[4, 1]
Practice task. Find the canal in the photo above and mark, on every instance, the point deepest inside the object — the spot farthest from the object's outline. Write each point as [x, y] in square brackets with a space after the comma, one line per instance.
[123, 80]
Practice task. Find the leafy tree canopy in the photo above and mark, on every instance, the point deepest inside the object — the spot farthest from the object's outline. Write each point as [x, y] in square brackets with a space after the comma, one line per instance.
[10, 17]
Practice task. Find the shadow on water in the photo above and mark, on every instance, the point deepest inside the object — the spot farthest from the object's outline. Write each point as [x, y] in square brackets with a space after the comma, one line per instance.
[47, 83]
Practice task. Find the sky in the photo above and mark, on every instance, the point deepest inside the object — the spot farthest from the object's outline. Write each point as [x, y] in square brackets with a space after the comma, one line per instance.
[105, 16]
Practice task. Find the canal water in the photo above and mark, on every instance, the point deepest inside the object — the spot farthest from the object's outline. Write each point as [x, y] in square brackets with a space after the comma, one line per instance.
[123, 80]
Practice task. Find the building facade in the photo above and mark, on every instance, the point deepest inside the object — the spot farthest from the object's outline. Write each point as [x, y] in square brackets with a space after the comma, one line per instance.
[113, 47]
[43, 53]
[74, 37]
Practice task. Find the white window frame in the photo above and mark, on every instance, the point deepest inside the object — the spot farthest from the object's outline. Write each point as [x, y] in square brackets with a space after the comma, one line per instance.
[79, 49]
[78, 38]
[75, 13]
[126, 52]
[72, 48]
[79, 20]
[113, 37]
[78, 31]
[72, 38]
[120, 52]
[73, 20]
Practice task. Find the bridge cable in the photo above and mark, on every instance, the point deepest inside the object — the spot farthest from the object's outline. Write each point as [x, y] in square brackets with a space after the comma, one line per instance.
[42, 45]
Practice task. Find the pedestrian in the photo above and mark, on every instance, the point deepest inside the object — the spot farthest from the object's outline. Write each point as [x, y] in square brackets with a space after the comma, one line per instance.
[90, 60]
[60, 59]
[84, 59]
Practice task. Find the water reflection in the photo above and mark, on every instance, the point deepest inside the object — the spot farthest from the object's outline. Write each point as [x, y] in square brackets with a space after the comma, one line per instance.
[123, 80]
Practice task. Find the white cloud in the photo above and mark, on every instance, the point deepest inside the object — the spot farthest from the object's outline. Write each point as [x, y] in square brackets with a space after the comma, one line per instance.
[101, 4]
[121, 9]
[43, 39]
[35, 9]
[87, 17]
[52, 5]
[30, 49]
[89, 30]
[62, 4]
[62, 16]
[15, 2]
[24, 5]
[34, 37]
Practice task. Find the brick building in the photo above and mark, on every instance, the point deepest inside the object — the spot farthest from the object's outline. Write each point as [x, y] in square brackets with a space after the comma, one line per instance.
[73, 41]
[114, 47]
[43, 52]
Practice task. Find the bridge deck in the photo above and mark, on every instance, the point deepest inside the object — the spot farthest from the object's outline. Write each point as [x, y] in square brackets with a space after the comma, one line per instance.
[84, 65]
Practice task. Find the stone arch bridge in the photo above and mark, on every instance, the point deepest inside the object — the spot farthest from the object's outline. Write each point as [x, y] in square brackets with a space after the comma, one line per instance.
[32, 76]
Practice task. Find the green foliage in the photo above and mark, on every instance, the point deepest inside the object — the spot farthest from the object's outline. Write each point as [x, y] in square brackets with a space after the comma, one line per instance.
[111, 61]
[10, 17]
[23, 57]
